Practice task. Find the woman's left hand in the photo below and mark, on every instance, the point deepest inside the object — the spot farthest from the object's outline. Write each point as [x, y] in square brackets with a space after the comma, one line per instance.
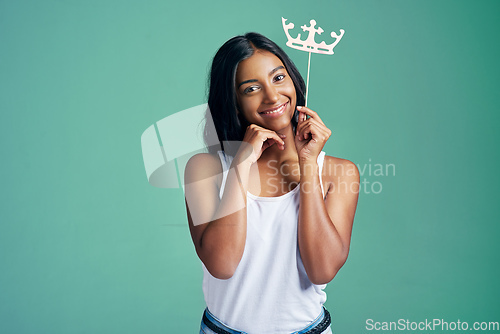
[311, 135]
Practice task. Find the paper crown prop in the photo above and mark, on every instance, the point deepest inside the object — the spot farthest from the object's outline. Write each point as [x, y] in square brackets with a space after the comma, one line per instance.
[309, 44]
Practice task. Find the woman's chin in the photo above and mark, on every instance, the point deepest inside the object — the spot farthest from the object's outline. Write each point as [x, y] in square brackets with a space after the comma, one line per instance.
[280, 128]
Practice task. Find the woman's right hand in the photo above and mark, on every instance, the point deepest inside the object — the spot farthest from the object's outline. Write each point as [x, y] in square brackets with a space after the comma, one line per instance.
[256, 140]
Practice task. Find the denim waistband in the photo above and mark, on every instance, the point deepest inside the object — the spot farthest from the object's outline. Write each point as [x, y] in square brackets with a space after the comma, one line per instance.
[319, 325]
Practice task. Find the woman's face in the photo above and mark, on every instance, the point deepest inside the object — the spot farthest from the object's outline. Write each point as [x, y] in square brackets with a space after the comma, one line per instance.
[265, 92]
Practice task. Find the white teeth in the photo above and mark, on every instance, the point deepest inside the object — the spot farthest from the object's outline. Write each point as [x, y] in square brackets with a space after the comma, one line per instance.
[280, 109]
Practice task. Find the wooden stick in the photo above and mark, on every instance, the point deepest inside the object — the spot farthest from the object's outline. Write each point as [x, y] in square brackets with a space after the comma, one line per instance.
[308, 68]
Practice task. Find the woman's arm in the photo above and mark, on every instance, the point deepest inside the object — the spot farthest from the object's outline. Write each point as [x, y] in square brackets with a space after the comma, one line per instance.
[218, 227]
[325, 225]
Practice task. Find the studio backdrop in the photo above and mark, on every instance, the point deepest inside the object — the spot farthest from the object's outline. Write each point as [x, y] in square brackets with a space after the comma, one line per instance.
[89, 245]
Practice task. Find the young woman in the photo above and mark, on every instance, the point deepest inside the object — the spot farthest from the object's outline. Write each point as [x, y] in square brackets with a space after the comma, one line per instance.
[270, 215]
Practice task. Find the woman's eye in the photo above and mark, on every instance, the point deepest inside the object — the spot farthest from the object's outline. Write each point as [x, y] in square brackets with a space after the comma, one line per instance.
[279, 77]
[250, 89]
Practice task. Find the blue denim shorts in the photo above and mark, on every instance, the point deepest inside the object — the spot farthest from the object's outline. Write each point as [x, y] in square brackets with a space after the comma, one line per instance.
[211, 325]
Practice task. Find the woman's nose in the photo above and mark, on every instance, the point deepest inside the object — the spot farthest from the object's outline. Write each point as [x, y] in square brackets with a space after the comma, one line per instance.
[271, 95]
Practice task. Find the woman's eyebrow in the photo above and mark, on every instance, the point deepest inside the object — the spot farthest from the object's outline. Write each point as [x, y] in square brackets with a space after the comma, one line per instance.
[277, 68]
[255, 80]
[247, 81]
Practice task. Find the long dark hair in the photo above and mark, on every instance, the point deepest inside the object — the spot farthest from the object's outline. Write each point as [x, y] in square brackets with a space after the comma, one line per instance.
[222, 103]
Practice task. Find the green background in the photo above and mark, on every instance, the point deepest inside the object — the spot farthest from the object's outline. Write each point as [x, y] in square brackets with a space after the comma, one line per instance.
[88, 246]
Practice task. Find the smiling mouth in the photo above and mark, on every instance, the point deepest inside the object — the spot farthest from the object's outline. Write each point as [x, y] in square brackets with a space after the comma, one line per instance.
[277, 110]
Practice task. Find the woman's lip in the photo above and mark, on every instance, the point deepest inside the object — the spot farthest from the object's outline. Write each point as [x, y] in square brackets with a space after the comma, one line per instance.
[269, 112]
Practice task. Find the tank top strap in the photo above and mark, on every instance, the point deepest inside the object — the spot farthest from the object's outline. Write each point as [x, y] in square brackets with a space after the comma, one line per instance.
[225, 161]
[321, 160]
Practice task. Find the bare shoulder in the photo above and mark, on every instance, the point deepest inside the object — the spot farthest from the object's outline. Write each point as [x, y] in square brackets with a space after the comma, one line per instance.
[337, 168]
[202, 166]
[341, 178]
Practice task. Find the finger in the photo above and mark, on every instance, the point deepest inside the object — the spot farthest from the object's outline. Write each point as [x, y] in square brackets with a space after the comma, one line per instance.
[270, 142]
[321, 127]
[315, 131]
[262, 134]
[309, 113]
[299, 120]
[301, 116]
[302, 126]
[266, 144]
[273, 136]
[301, 131]
[302, 121]
[319, 124]
[276, 137]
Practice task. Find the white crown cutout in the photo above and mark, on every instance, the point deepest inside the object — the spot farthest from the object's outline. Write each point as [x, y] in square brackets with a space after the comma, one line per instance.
[309, 44]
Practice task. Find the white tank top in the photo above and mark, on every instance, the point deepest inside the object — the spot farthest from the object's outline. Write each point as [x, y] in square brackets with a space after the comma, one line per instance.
[269, 291]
